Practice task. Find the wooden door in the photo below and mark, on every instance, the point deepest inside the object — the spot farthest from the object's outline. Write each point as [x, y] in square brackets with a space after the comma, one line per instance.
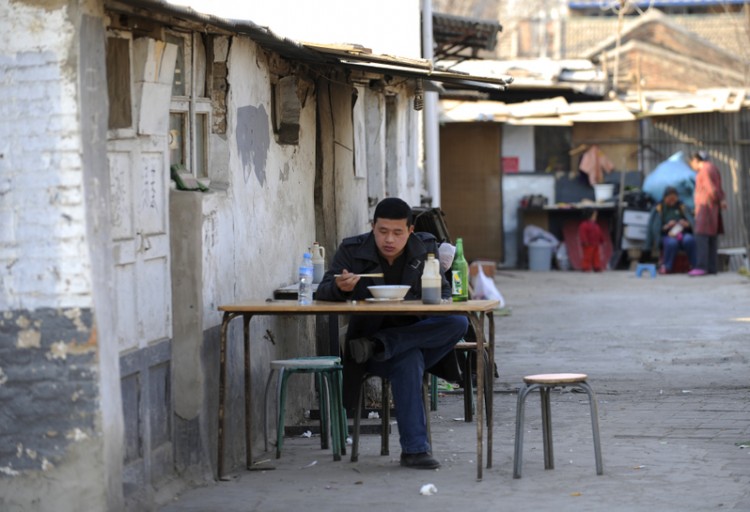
[139, 196]
[471, 187]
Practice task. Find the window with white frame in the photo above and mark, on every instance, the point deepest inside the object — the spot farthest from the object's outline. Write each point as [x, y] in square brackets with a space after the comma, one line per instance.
[190, 109]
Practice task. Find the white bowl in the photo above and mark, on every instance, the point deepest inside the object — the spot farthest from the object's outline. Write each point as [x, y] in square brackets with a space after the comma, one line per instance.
[389, 291]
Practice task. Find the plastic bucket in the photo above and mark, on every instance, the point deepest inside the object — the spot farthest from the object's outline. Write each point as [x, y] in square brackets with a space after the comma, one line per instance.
[540, 255]
[603, 192]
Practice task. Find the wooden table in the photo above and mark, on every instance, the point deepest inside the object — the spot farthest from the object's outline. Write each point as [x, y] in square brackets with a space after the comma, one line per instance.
[475, 310]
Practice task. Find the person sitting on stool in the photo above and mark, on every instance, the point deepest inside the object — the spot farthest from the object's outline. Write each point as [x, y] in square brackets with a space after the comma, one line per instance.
[670, 228]
[397, 347]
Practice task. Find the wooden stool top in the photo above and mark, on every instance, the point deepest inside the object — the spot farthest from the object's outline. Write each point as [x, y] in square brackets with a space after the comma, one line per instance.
[555, 378]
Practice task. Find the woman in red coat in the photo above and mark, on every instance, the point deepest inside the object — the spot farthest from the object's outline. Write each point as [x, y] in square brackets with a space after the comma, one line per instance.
[709, 201]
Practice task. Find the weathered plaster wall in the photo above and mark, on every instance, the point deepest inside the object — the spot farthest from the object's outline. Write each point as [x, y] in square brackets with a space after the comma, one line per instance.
[58, 391]
[251, 238]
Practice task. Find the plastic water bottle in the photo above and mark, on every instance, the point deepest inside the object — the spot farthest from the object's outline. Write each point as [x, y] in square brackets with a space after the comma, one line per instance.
[306, 280]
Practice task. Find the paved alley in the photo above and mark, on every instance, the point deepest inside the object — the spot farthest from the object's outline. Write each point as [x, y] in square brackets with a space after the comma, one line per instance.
[668, 358]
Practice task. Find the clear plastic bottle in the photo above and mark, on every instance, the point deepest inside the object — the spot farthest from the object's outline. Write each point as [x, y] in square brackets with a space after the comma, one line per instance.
[460, 274]
[305, 295]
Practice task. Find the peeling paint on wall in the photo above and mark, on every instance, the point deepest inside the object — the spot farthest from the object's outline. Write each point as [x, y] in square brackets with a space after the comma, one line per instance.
[253, 141]
[46, 392]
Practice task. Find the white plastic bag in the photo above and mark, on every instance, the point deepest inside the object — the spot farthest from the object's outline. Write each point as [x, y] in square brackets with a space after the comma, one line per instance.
[484, 288]
[533, 233]
[446, 252]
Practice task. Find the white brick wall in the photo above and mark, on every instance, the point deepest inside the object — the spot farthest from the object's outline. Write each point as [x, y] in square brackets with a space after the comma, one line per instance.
[44, 260]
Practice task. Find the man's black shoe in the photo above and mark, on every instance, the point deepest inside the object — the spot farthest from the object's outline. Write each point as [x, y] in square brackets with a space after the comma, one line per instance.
[419, 461]
[361, 349]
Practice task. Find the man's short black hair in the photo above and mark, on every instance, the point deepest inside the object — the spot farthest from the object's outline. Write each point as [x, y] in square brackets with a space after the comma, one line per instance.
[393, 208]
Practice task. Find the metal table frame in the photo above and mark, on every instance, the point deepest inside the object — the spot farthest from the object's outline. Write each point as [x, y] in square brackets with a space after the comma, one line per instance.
[475, 310]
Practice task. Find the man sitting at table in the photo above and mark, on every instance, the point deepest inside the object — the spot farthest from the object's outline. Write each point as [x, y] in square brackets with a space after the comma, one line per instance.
[396, 347]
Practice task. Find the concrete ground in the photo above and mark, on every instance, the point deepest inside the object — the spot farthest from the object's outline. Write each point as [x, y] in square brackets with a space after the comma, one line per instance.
[668, 358]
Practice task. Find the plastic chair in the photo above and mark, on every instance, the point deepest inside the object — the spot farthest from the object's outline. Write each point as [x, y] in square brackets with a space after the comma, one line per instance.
[544, 383]
[328, 373]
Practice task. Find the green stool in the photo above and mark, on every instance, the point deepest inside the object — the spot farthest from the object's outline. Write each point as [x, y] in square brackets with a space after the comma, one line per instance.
[328, 373]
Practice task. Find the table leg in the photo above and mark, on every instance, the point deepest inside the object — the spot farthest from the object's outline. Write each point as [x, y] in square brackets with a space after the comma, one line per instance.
[228, 317]
[477, 324]
[490, 402]
[248, 394]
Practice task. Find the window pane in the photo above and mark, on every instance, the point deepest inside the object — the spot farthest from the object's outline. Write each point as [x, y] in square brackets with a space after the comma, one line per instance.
[177, 125]
[201, 145]
[178, 85]
[118, 82]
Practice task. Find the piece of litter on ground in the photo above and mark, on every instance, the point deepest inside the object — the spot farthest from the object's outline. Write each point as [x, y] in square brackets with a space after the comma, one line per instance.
[306, 433]
[311, 464]
[458, 419]
[373, 415]
[349, 440]
[428, 490]
[575, 493]
[743, 444]
[639, 467]
[687, 391]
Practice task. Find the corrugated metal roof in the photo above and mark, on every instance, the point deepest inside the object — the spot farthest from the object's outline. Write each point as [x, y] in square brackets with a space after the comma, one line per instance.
[557, 111]
[645, 4]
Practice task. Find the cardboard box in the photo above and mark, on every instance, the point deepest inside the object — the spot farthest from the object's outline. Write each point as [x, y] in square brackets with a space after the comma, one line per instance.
[488, 266]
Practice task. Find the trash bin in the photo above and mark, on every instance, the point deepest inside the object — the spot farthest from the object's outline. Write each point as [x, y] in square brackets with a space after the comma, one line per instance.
[540, 255]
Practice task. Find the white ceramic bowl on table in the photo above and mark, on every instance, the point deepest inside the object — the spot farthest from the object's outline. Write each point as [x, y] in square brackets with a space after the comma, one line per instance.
[389, 291]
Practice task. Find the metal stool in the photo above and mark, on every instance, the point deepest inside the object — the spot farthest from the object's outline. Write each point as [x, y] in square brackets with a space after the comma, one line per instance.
[385, 414]
[468, 385]
[545, 383]
[328, 372]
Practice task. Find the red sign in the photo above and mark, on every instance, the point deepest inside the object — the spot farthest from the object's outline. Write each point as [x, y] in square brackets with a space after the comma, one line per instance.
[510, 164]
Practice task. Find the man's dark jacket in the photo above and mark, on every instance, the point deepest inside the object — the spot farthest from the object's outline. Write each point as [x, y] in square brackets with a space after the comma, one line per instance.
[359, 254]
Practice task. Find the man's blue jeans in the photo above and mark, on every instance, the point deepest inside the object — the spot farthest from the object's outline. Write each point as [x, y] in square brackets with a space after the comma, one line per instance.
[671, 245]
[409, 351]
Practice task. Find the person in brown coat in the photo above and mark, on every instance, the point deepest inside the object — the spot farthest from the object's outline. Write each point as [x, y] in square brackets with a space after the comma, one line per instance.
[709, 201]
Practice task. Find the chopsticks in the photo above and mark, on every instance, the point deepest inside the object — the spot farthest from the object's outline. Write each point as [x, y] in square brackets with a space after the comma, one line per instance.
[360, 275]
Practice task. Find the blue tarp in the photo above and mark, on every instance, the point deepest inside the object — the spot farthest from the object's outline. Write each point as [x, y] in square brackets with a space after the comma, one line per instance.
[672, 172]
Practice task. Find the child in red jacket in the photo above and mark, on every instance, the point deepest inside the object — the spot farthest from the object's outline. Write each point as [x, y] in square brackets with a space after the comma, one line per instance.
[591, 238]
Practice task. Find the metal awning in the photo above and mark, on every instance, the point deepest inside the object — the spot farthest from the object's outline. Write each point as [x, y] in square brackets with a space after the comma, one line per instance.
[458, 37]
[346, 56]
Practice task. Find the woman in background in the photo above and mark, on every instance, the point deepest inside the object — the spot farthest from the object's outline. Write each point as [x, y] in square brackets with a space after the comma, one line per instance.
[670, 228]
[709, 201]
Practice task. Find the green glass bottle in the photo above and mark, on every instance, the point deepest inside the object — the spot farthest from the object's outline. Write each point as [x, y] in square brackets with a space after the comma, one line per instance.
[460, 274]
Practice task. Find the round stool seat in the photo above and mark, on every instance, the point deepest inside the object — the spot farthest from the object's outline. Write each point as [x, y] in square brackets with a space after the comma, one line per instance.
[555, 378]
[302, 363]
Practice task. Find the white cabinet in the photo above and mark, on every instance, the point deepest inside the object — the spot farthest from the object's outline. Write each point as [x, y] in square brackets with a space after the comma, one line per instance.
[635, 228]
